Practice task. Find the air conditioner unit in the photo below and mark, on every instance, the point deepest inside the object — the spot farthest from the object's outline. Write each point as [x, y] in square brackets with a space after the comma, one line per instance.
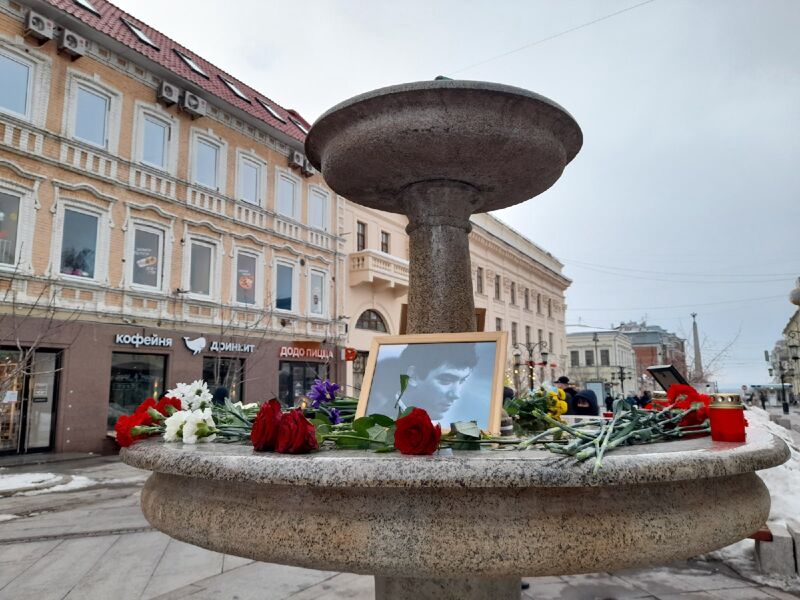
[38, 27]
[296, 159]
[193, 104]
[308, 168]
[168, 94]
[71, 44]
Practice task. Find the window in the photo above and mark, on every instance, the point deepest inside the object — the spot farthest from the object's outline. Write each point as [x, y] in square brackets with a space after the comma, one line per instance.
[527, 335]
[550, 345]
[268, 107]
[574, 358]
[299, 125]
[225, 372]
[361, 236]
[235, 89]
[589, 354]
[147, 257]
[549, 307]
[497, 295]
[79, 244]
[137, 31]
[605, 359]
[155, 136]
[539, 335]
[538, 304]
[498, 324]
[385, 242]
[284, 286]
[91, 117]
[479, 281]
[513, 334]
[371, 320]
[287, 196]
[9, 224]
[295, 379]
[316, 295]
[246, 278]
[134, 376]
[87, 5]
[190, 62]
[249, 180]
[513, 293]
[527, 299]
[318, 209]
[206, 163]
[15, 77]
[201, 268]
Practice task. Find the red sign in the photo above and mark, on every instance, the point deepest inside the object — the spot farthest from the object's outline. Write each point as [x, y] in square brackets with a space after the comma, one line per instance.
[350, 354]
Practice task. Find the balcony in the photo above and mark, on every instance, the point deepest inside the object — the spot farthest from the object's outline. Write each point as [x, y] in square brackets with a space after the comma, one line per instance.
[370, 266]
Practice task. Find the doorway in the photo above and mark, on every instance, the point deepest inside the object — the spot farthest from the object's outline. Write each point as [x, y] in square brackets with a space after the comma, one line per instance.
[28, 400]
[296, 378]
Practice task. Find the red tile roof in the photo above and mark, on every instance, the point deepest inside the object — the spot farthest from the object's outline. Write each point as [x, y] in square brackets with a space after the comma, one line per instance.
[111, 24]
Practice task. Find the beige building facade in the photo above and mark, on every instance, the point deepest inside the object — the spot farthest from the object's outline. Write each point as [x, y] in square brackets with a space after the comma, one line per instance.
[518, 288]
[603, 356]
[158, 224]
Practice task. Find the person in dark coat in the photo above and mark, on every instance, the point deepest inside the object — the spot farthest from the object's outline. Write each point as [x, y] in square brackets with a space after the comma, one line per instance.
[564, 384]
[609, 402]
[219, 395]
[584, 403]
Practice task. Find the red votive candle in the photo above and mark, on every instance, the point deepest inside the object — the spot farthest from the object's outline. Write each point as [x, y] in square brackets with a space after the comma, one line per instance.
[727, 418]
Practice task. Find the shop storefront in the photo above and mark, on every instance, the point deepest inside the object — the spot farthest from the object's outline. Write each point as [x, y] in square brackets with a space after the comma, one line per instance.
[69, 396]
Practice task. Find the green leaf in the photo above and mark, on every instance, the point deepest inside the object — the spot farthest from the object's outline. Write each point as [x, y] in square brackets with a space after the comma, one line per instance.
[382, 420]
[362, 425]
[321, 417]
[344, 442]
[379, 434]
[403, 384]
[383, 449]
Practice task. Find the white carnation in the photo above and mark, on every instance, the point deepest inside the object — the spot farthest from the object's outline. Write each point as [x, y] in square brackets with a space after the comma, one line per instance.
[174, 424]
[193, 396]
[199, 427]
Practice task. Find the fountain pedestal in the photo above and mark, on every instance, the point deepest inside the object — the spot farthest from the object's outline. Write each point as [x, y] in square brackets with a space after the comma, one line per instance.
[471, 523]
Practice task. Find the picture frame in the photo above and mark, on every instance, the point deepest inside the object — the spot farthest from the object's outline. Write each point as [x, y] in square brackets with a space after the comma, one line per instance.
[666, 375]
[453, 376]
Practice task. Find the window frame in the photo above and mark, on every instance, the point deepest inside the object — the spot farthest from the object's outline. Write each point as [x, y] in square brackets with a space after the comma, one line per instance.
[379, 318]
[326, 203]
[605, 352]
[361, 236]
[208, 138]
[243, 156]
[163, 268]
[574, 358]
[386, 242]
[213, 283]
[479, 280]
[39, 74]
[75, 81]
[324, 304]
[106, 117]
[513, 293]
[514, 338]
[588, 356]
[101, 240]
[283, 174]
[498, 324]
[258, 283]
[498, 288]
[527, 299]
[155, 113]
[294, 265]
[31, 66]
[18, 242]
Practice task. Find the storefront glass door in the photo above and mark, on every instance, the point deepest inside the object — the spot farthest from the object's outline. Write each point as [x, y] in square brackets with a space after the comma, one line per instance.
[296, 378]
[28, 396]
[134, 377]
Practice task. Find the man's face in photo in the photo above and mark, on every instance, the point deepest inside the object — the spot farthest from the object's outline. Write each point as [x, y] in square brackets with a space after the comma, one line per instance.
[437, 391]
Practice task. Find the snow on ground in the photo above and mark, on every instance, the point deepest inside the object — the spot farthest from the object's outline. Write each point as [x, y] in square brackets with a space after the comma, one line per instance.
[26, 480]
[783, 483]
[77, 482]
[8, 517]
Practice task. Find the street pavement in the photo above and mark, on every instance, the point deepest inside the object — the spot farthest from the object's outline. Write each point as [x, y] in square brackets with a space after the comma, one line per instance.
[81, 536]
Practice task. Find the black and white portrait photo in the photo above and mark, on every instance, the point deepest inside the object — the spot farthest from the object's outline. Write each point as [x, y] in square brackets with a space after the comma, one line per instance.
[452, 380]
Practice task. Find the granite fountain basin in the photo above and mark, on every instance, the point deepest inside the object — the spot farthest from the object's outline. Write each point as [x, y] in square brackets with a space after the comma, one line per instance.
[461, 525]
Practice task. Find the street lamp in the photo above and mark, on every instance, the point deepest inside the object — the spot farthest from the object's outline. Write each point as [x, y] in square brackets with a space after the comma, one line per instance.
[621, 375]
[782, 372]
[529, 349]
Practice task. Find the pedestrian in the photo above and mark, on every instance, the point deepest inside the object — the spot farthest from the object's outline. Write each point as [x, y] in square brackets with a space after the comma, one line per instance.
[219, 396]
[645, 398]
[564, 384]
[763, 397]
[584, 403]
[609, 402]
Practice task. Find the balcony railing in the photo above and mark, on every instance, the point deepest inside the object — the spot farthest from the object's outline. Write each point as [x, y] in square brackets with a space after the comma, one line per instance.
[369, 266]
[84, 159]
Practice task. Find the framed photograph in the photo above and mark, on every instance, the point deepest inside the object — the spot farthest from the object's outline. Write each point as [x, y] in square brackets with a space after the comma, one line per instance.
[666, 375]
[453, 376]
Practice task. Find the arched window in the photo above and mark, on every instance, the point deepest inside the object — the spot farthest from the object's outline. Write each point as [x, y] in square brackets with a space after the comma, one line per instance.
[370, 319]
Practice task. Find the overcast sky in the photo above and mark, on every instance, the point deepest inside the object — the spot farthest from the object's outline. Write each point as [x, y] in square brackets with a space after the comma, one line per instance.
[685, 195]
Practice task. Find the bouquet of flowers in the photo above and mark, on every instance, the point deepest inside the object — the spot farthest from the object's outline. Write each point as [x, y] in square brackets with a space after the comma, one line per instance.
[526, 410]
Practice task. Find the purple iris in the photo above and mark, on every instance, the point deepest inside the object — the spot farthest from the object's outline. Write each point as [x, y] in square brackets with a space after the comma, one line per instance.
[323, 390]
[333, 415]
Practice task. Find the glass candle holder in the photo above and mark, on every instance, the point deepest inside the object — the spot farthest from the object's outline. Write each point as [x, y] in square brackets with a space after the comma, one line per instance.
[727, 418]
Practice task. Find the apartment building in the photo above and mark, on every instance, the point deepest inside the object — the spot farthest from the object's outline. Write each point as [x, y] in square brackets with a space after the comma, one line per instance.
[518, 288]
[158, 224]
[654, 345]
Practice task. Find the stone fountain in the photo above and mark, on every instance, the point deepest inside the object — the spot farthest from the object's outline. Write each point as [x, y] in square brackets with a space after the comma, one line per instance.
[464, 526]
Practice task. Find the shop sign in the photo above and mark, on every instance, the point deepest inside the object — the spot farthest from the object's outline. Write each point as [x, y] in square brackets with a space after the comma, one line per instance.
[231, 347]
[350, 354]
[138, 339]
[301, 352]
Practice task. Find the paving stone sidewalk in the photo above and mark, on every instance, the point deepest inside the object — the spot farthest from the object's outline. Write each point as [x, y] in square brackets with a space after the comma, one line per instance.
[93, 543]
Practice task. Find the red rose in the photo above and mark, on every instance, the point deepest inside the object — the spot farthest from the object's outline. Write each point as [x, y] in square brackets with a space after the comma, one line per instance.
[264, 434]
[296, 434]
[168, 401]
[124, 425]
[416, 434]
